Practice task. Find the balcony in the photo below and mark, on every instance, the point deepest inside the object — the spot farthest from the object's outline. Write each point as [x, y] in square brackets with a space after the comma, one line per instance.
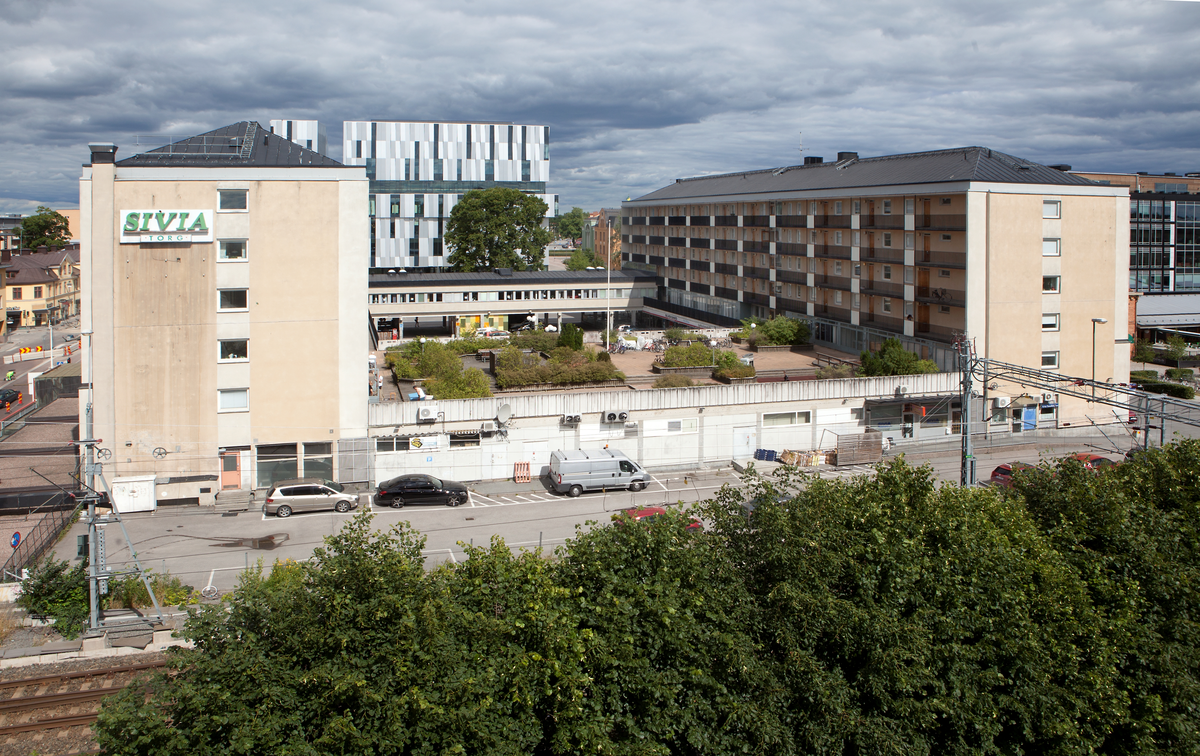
[762, 221]
[763, 274]
[677, 220]
[699, 243]
[637, 239]
[656, 220]
[701, 220]
[758, 299]
[840, 314]
[882, 322]
[730, 244]
[726, 220]
[723, 293]
[635, 221]
[677, 284]
[833, 282]
[882, 288]
[756, 246]
[882, 254]
[699, 288]
[836, 221]
[675, 262]
[787, 248]
[886, 222]
[725, 269]
[656, 240]
[676, 241]
[792, 276]
[937, 332]
[795, 305]
[656, 260]
[699, 265]
[930, 259]
[943, 222]
[941, 296]
[832, 251]
[791, 221]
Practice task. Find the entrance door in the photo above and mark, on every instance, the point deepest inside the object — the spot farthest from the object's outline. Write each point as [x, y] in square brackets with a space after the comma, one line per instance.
[231, 470]
[922, 282]
[744, 440]
[909, 424]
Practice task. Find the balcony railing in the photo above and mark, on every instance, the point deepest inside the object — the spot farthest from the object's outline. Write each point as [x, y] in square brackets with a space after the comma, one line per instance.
[832, 251]
[942, 222]
[930, 258]
[677, 220]
[756, 246]
[723, 293]
[882, 288]
[756, 220]
[699, 265]
[937, 332]
[833, 282]
[726, 269]
[940, 295]
[758, 299]
[656, 220]
[656, 240]
[840, 314]
[795, 305]
[835, 221]
[787, 248]
[885, 254]
[759, 273]
[725, 244]
[675, 262]
[791, 221]
[887, 222]
[792, 276]
[699, 243]
[676, 241]
[726, 220]
[882, 322]
[701, 220]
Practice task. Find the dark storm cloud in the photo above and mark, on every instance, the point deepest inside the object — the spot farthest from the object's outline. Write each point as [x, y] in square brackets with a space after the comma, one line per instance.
[636, 93]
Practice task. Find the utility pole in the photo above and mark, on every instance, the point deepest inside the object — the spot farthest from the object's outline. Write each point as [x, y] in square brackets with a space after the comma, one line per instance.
[966, 363]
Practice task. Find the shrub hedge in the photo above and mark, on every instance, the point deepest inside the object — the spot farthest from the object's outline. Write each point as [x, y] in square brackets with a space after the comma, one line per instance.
[566, 367]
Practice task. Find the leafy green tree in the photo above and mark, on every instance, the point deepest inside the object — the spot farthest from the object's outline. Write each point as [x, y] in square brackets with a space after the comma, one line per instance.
[571, 336]
[1143, 351]
[57, 590]
[570, 225]
[1176, 347]
[497, 228]
[581, 259]
[893, 359]
[46, 227]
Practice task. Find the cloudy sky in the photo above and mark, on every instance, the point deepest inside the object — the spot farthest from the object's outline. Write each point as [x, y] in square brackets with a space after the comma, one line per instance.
[635, 93]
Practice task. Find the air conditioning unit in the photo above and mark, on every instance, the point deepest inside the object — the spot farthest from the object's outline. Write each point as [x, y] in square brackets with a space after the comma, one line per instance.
[427, 414]
[571, 419]
[615, 416]
[1003, 401]
[489, 426]
[1047, 398]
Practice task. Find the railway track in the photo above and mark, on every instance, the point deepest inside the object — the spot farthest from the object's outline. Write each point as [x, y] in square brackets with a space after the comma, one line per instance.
[41, 705]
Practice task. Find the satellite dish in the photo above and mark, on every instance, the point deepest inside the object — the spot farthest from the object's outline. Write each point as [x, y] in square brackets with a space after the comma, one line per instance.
[504, 414]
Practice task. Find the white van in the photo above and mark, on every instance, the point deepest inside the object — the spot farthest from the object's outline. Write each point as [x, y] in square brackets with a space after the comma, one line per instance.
[573, 472]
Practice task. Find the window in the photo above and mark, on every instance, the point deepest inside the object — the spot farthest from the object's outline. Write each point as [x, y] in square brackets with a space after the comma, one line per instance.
[854, 236]
[1050, 285]
[944, 309]
[855, 305]
[231, 200]
[234, 349]
[908, 275]
[1051, 209]
[1051, 248]
[856, 206]
[37, 292]
[233, 299]
[887, 272]
[887, 207]
[908, 241]
[233, 400]
[812, 207]
[837, 210]
[232, 250]
[837, 297]
[908, 206]
[1049, 321]
[887, 240]
[837, 268]
[887, 305]
[812, 294]
[1050, 360]
[16, 292]
[857, 270]
[947, 237]
[837, 235]
[771, 419]
[944, 200]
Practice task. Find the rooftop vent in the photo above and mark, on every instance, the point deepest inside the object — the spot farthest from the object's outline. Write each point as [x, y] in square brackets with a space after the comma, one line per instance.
[103, 152]
[1060, 167]
[1143, 173]
[1170, 174]
[847, 156]
[813, 160]
[504, 272]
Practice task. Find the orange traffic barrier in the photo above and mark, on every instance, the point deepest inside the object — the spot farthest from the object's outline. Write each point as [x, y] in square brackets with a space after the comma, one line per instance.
[521, 472]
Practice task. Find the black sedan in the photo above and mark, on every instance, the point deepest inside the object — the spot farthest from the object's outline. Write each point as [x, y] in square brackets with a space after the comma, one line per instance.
[8, 396]
[420, 489]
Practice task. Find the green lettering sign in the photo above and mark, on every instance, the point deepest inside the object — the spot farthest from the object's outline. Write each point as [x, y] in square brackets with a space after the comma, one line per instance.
[199, 224]
[131, 221]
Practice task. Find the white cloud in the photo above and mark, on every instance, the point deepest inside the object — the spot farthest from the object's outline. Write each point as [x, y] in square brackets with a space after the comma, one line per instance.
[636, 94]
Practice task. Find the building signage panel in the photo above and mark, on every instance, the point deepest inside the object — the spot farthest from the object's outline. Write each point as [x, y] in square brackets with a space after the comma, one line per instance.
[166, 226]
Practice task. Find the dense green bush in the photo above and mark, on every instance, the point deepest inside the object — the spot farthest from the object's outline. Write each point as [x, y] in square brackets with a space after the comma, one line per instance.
[571, 336]
[734, 371]
[537, 341]
[59, 591]
[441, 366]
[129, 592]
[893, 359]
[1144, 376]
[1180, 374]
[1176, 390]
[566, 367]
[674, 381]
[775, 332]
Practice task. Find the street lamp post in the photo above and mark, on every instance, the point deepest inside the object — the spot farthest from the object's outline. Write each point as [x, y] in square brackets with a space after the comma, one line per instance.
[1095, 322]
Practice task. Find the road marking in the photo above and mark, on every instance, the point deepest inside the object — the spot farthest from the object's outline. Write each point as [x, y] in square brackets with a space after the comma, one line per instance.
[505, 498]
[438, 551]
[485, 498]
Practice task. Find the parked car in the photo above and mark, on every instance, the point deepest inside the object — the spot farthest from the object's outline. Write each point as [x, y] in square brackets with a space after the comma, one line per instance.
[9, 396]
[1094, 461]
[494, 333]
[1003, 474]
[417, 488]
[649, 514]
[307, 495]
[528, 325]
[572, 472]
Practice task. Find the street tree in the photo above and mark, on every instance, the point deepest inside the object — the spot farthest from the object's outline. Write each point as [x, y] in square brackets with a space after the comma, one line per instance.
[581, 259]
[570, 225]
[497, 228]
[45, 228]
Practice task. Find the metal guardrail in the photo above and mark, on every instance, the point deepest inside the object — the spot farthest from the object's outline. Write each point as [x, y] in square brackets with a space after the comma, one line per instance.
[39, 540]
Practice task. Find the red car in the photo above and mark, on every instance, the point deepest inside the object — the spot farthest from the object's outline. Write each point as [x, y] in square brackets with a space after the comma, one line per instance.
[1094, 461]
[649, 514]
[1003, 475]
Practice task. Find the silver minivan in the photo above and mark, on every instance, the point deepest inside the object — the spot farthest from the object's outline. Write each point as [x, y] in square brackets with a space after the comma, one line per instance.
[306, 495]
[573, 472]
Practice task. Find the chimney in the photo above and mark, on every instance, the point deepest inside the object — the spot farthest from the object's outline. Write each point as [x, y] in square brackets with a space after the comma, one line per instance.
[103, 152]
[813, 160]
[847, 156]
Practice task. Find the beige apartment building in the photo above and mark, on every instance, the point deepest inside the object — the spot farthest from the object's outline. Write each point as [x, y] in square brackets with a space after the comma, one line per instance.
[42, 287]
[1029, 262]
[224, 283]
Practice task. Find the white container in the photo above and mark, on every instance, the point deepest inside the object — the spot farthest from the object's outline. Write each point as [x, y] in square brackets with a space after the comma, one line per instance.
[133, 494]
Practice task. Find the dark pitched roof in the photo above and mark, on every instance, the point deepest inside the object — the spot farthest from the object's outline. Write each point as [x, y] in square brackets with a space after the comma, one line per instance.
[556, 277]
[240, 144]
[37, 268]
[940, 166]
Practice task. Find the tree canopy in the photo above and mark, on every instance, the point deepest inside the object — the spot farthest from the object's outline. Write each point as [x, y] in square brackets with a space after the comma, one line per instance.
[45, 228]
[581, 259]
[879, 614]
[893, 359]
[570, 225]
[497, 228]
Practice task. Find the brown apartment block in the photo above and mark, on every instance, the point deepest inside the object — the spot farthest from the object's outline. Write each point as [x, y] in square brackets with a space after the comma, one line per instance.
[1029, 262]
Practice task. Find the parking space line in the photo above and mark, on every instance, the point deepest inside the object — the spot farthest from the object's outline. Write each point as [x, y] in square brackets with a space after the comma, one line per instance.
[484, 498]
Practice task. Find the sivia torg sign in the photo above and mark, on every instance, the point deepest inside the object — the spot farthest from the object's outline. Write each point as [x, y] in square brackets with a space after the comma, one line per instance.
[166, 226]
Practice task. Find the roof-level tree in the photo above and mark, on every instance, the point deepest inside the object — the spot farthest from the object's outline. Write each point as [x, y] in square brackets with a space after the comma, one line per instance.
[497, 228]
[570, 224]
[45, 228]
